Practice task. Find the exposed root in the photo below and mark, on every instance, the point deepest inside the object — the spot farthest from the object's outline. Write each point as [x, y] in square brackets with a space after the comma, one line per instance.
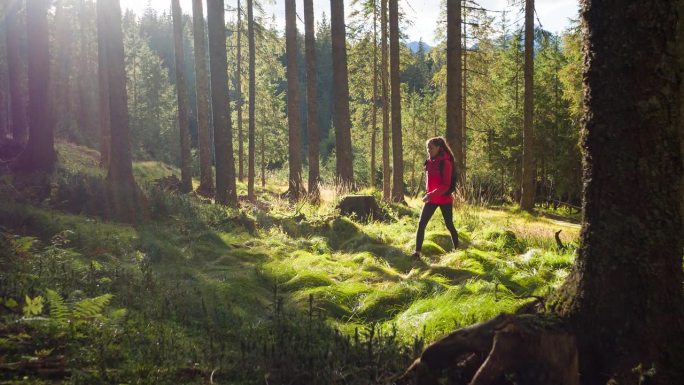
[560, 244]
[528, 348]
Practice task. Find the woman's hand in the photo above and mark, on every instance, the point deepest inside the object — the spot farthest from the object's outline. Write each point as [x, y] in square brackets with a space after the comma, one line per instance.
[426, 198]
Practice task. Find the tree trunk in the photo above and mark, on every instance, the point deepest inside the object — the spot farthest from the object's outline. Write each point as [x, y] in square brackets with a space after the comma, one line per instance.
[341, 119]
[238, 91]
[384, 75]
[311, 100]
[464, 97]
[4, 105]
[529, 168]
[85, 80]
[206, 186]
[252, 99]
[295, 147]
[374, 108]
[182, 94]
[223, 130]
[60, 82]
[397, 147]
[624, 295]
[122, 188]
[103, 88]
[15, 73]
[454, 102]
[680, 33]
[263, 159]
[39, 154]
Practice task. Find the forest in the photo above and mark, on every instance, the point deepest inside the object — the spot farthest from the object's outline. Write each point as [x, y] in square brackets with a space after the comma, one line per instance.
[210, 194]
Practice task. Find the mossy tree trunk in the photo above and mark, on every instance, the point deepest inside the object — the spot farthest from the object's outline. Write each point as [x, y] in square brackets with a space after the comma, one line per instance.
[624, 295]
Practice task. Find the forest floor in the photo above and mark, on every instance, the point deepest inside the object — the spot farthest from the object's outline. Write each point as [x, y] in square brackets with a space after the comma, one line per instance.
[274, 291]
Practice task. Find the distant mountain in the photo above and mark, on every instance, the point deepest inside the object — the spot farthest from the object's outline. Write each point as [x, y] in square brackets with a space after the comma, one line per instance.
[413, 46]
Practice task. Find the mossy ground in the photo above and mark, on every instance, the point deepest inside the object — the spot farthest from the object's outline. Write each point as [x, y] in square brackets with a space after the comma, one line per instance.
[212, 263]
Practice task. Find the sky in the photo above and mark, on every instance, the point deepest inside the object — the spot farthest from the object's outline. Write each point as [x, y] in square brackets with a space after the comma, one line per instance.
[554, 15]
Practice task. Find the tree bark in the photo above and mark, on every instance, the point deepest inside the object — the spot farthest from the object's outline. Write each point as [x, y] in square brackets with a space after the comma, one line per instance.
[238, 91]
[341, 119]
[263, 159]
[60, 82]
[4, 105]
[374, 108]
[397, 147]
[384, 75]
[464, 99]
[182, 97]
[39, 154]
[529, 169]
[206, 186]
[311, 101]
[123, 190]
[15, 72]
[103, 87]
[454, 102]
[624, 295]
[223, 131]
[293, 119]
[86, 108]
[680, 33]
[252, 100]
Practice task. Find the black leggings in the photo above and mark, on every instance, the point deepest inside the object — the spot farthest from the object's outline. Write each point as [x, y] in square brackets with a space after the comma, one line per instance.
[426, 214]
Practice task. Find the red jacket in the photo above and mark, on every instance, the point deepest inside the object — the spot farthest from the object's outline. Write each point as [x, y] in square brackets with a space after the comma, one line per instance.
[436, 183]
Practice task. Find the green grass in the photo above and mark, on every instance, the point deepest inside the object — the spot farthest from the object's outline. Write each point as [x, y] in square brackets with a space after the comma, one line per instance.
[209, 265]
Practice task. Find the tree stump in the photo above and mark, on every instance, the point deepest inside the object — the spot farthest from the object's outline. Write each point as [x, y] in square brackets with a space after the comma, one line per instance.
[364, 207]
[169, 183]
[528, 348]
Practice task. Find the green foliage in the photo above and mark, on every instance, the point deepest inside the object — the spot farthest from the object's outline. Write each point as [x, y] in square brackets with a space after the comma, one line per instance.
[84, 309]
[151, 97]
[199, 287]
[91, 307]
[32, 306]
[58, 308]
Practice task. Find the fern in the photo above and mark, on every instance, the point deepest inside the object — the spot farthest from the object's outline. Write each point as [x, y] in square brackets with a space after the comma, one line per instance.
[58, 309]
[91, 307]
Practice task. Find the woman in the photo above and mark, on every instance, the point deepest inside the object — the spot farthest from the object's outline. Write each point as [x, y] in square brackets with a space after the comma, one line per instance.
[438, 169]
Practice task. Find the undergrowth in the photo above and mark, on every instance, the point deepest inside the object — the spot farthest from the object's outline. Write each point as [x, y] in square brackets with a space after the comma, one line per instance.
[290, 292]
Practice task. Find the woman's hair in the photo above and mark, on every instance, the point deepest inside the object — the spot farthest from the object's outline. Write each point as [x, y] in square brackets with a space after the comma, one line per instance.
[440, 142]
